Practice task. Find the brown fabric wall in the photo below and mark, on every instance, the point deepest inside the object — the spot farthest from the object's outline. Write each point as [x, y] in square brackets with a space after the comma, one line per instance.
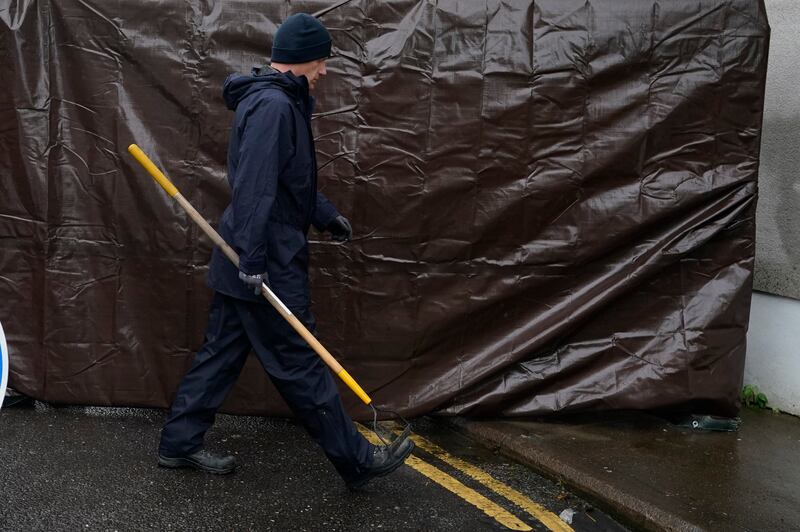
[553, 201]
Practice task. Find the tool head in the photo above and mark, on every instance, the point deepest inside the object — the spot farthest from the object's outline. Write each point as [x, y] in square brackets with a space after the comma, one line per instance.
[389, 437]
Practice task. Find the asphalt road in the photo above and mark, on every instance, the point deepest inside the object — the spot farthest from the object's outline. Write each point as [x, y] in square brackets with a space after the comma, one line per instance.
[82, 468]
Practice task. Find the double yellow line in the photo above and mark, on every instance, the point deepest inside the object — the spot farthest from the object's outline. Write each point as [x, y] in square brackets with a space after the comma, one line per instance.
[490, 508]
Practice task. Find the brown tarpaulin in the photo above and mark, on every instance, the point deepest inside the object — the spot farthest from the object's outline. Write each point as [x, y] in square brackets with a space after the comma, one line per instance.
[553, 201]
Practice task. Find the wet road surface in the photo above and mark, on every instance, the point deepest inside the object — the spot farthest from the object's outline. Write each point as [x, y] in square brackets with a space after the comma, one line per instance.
[82, 468]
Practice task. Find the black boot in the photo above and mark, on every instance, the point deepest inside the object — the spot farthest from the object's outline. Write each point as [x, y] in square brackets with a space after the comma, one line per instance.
[202, 460]
[385, 459]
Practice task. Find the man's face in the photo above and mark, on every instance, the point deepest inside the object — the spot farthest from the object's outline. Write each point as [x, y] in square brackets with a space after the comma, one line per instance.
[312, 70]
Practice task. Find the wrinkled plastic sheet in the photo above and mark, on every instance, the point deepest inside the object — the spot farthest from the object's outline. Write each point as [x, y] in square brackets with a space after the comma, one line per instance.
[553, 201]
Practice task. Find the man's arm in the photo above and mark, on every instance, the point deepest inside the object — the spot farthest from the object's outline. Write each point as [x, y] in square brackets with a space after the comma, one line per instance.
[327, 218]
[266, 141]
[324, 212]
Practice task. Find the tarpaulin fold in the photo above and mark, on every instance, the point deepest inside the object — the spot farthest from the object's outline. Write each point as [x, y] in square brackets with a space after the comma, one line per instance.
[553, 201]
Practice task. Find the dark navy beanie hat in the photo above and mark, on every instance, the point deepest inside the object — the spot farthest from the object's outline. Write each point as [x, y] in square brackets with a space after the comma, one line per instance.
[300, 39]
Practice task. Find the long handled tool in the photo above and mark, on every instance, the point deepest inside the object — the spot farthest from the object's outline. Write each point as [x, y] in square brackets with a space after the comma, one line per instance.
[283, 310]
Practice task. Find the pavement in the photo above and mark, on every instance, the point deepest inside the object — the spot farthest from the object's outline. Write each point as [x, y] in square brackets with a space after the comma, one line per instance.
[653, 475]
[93, 468]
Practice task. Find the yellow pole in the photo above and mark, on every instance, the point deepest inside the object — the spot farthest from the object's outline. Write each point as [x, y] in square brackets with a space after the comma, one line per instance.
[282, 309]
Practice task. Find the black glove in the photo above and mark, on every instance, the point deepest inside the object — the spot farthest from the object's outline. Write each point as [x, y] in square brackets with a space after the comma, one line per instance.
[254, 281]
[340, 229]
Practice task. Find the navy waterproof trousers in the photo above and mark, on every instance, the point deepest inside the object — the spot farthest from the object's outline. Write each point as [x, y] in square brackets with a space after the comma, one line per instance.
[303, 380]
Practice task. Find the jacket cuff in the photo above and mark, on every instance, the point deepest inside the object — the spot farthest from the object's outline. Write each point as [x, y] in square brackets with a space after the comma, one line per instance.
[324, 221]
[253, 266]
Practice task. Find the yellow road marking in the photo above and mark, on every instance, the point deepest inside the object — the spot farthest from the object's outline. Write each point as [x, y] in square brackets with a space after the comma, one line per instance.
[501, 515]
[547, 518]
[493, 510]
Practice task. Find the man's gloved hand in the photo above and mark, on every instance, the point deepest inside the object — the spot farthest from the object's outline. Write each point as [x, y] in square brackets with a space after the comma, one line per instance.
[254, 281]
[340, 229]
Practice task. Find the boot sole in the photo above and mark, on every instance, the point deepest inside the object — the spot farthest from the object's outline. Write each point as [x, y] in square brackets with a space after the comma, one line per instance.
[178, 463]
[383, 472]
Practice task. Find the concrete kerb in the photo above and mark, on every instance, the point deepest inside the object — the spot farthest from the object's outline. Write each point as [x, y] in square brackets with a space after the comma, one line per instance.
[629, 509]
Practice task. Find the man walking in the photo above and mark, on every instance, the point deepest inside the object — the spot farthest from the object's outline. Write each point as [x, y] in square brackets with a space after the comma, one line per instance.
[272, 171]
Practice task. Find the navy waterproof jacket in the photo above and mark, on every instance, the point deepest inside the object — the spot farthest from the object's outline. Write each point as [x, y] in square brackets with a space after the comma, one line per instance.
[272, 172]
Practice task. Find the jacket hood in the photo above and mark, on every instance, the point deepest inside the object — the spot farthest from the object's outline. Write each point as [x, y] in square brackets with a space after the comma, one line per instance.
[239, 86]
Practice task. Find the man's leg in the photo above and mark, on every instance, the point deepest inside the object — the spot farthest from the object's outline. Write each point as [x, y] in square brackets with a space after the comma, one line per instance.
[306, 384]
[207, 383]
